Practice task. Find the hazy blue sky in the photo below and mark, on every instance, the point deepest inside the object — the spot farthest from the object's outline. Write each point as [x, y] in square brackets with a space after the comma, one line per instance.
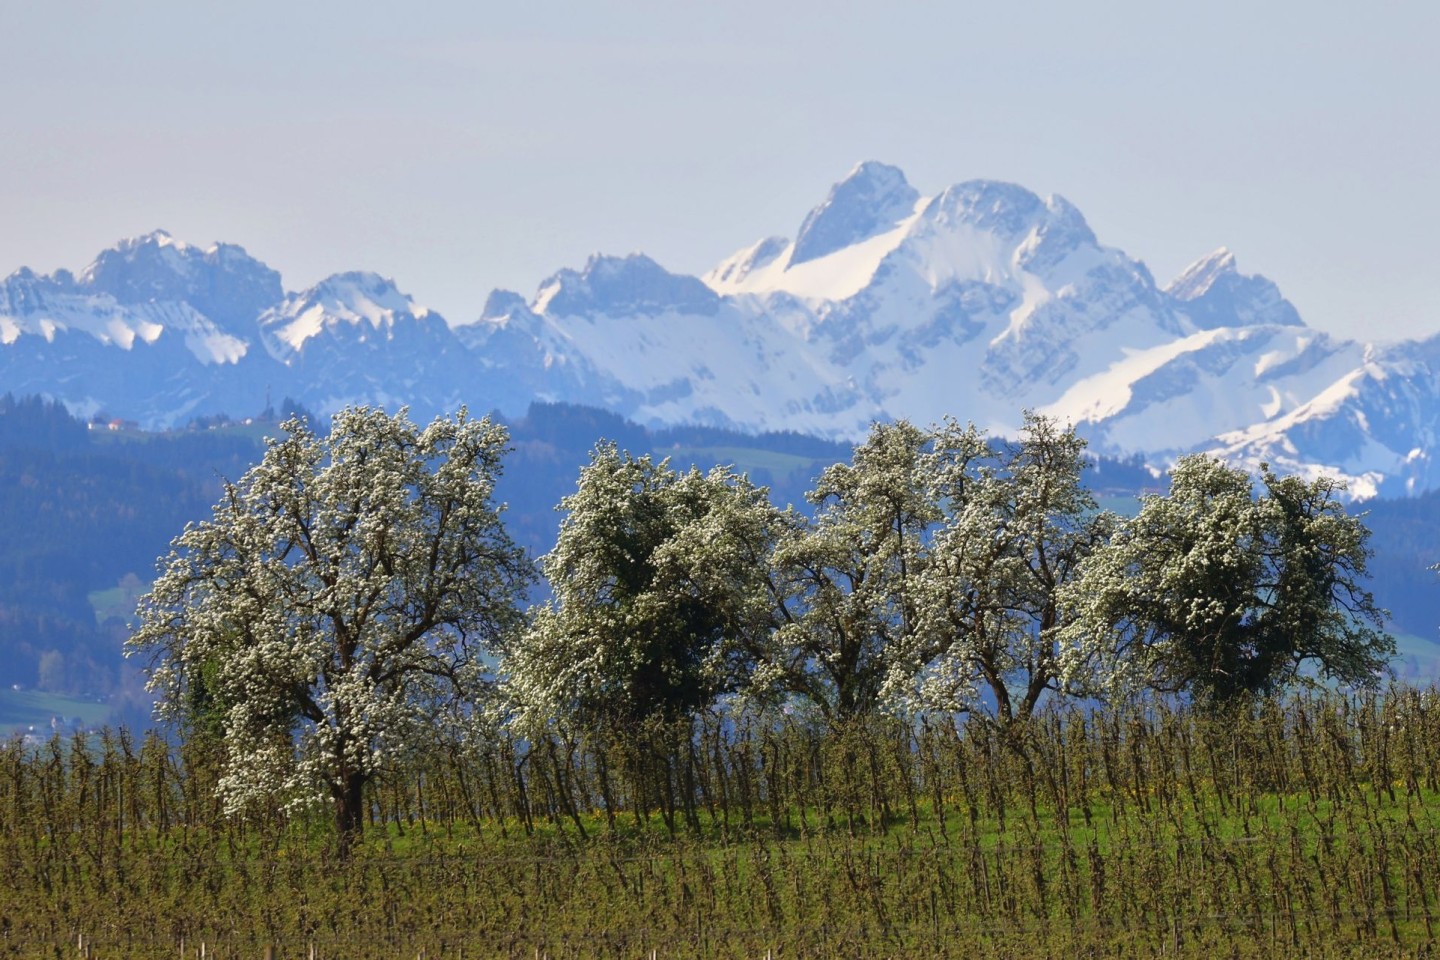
[459, 146]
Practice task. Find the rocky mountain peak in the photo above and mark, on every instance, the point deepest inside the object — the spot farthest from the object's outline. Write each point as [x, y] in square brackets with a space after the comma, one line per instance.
[1005, 209]
[871, 200]
[1214, 293]
[1201, 275]
[614, 286]
[223, 282]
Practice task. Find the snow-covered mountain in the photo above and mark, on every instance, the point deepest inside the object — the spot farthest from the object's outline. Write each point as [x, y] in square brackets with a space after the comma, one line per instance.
[355, 338]
[130, 335]
[159, 331]
[978, 301]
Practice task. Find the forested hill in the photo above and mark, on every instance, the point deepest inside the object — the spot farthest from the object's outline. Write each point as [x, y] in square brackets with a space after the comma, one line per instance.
[1406, 537]
[81, 511]
[87, 509]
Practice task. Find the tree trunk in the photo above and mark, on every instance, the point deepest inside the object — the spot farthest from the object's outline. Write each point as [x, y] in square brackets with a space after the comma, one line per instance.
[350, 811]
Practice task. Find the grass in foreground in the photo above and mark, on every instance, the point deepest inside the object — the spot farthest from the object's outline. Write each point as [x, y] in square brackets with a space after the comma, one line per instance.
[1308, 829]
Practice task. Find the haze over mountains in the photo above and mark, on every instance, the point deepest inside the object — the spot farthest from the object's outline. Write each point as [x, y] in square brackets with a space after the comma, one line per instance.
[978, 302]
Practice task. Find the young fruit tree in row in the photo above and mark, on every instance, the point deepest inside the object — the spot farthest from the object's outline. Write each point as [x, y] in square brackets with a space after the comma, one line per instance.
[1220, 593]
[338, 605]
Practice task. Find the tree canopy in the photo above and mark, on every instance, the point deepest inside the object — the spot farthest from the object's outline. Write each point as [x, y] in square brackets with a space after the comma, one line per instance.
[348, 596]
[848, 613]
[1018, 523]
[928, 578]
[1214, 590]
[342, 599]
[660, 584]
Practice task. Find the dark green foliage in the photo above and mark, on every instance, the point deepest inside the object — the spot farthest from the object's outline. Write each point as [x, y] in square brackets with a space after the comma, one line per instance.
[1225, 590]
[34, 423]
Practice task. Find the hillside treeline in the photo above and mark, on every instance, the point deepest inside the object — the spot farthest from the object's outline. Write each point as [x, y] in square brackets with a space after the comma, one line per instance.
[80, 512]
[85, 508]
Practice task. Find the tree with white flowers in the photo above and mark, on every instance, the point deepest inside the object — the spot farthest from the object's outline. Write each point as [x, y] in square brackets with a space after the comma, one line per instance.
[1018, 522]
[662, 590]
[1221, 593]
[340, 603]
[928, 578]
[849, 616]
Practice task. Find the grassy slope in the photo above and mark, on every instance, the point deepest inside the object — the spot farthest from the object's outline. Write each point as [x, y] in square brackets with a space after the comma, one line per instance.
[24, 708]
[1417, 659]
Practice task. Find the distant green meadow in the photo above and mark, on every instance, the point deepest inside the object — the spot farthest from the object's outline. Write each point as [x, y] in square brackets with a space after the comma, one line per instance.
[25, 708]
[1417, 659]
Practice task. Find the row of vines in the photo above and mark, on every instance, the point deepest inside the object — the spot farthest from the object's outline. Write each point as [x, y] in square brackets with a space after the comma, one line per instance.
[1308, 827]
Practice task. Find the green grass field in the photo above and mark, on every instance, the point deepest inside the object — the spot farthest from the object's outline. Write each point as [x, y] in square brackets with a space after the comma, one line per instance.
[1309, 827]
[746, 460]
[1417, 659]
[24, 708]
[114, 602]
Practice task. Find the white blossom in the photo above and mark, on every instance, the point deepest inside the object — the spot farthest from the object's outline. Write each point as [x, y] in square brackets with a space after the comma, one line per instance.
[338, 605]
[1218, 591]
[661, 589]
[1017, 523]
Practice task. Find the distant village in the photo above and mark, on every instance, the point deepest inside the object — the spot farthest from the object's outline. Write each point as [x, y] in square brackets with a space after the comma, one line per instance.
[33, 734]
[104, 422]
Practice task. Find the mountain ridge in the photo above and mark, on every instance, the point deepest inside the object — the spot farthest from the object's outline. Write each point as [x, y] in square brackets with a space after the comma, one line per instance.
[977, 301]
